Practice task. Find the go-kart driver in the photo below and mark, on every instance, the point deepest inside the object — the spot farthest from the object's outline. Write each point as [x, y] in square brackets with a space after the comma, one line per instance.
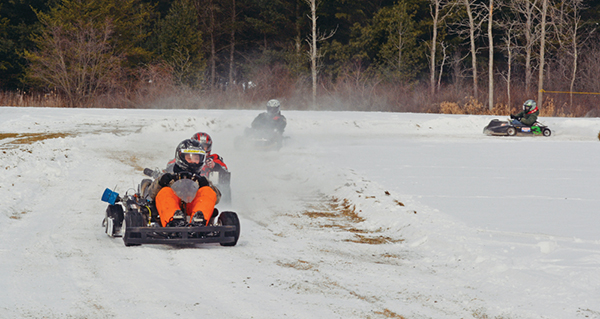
[271, 120]
[529, 114]
[189, 157]
[212, 163]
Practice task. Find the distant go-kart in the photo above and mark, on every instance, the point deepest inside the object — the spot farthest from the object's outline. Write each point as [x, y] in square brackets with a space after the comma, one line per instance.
[135, 218]
[509, 128]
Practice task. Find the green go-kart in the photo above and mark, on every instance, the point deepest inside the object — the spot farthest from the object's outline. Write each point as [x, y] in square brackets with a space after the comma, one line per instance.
[513, 128]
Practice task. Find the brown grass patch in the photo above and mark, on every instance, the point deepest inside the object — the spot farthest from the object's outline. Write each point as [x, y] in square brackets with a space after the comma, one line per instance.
[378, 240]
[348, 228]
[130, 160]
[549, 109]
[30, 138]
[388, 255]
[336, 208]
[299, 264]
[389, 314]
[314, 214]
[17, 215]
[134, 161]
[341, 214]
[472, 106]
[399, 203]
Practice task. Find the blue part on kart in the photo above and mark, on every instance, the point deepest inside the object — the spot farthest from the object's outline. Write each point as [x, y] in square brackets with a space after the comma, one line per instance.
[110, 196]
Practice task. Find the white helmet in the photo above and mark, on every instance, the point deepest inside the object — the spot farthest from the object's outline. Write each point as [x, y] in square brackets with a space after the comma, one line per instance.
[273, 106]
[529, 105]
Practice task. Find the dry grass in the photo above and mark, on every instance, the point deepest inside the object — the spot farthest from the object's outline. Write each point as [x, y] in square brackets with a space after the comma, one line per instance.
[389, 314]
[472, 106]
[299, 264]
[30, 138]
[25, 99]
[399, 203]
[336, 208]
[341, 214]
[131, 160]
[17, 215]
[166, 95]
[377, 240]
[549, 109]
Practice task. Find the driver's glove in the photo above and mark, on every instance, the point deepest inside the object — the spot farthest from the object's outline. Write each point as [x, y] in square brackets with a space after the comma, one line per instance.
[166, 179]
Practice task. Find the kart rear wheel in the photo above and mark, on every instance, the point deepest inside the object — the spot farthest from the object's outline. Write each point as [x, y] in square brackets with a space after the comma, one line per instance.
[511, 131]
[546, 132]
[132, 219]
[116, 213]
[113, 220]
[230, 218]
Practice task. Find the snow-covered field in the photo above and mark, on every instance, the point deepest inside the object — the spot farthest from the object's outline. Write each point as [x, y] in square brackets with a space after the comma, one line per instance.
[360, 215]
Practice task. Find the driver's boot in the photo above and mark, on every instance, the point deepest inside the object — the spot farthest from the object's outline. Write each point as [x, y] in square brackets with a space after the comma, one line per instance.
[178, 219]
[198, 219]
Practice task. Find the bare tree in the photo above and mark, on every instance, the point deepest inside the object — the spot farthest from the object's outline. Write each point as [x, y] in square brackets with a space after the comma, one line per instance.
[472, 28]
[80, 62]
[567, 24]
[232, 44]
[444, 57]
[437, 7]
[313, 50]
[542, 52]
[491, 56]
[527, 15]
[576, 24]
[509, 42]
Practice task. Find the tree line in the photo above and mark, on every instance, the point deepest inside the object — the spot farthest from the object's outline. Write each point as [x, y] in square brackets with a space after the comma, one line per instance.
[372, 55]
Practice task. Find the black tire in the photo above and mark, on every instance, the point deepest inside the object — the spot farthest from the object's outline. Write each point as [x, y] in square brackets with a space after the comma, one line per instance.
[113, 220]
[132, 219]
[116, 213]
[511, 131]
[230, 218]
[546, 132]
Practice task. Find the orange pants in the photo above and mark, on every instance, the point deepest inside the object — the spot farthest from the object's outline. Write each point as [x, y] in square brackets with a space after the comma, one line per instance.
[167, 203]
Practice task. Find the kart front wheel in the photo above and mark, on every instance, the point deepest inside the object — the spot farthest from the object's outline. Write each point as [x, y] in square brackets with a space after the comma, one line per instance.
[511, 131]
[546, 132]
[132, 219]
[230, 218]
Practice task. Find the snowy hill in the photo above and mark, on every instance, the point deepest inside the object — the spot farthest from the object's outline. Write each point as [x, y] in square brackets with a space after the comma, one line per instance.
[359, 215]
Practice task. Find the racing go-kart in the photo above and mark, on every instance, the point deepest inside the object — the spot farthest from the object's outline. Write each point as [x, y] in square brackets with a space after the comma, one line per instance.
[135, 217]
[512, 128]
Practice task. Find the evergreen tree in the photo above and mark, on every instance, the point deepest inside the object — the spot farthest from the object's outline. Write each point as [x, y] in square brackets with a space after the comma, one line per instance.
[393, 37]
[179, 43]
[17, 22]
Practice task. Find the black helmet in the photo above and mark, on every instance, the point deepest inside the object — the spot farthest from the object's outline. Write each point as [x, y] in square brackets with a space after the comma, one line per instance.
[529, 105]
[194, 152]
[273, 106]
[204, 140]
